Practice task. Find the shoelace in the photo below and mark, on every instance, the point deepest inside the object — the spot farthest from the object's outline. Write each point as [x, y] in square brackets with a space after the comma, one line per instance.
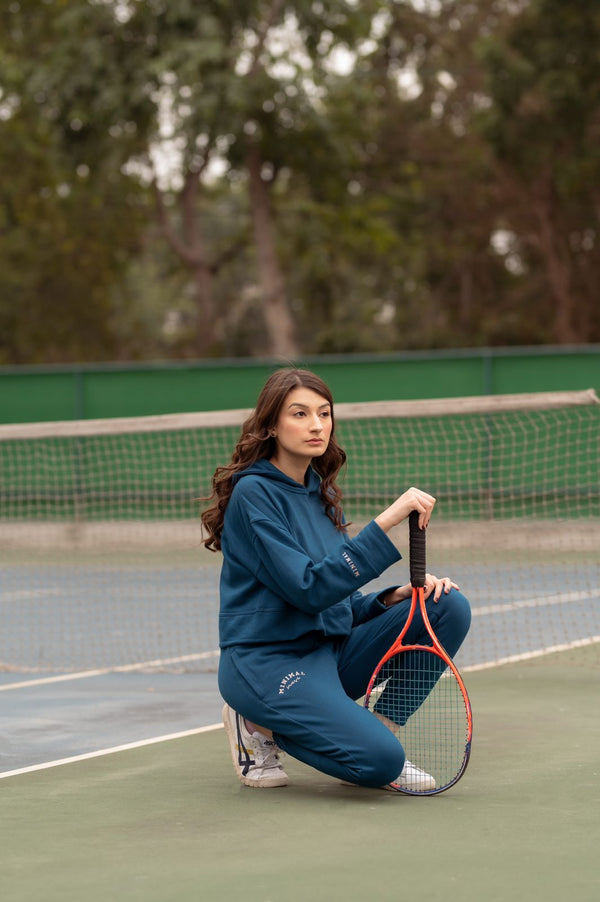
[266, 753]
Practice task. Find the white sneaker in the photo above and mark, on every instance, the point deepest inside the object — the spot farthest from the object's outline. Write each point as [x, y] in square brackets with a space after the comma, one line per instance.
[414, 779]
[256, 758]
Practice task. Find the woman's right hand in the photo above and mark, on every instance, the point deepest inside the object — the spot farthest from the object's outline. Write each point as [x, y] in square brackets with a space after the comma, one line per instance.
[412, 500]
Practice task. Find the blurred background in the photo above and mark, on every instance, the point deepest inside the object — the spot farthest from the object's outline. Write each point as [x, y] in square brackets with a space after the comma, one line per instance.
[403, 196]
[266, 179]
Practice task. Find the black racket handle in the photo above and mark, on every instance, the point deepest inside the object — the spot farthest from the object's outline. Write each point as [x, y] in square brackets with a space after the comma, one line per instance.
[416, 551]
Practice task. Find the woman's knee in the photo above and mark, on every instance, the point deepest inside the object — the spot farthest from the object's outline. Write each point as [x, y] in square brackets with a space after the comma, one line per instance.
[460, 610]
[381, 765]
[451, 619]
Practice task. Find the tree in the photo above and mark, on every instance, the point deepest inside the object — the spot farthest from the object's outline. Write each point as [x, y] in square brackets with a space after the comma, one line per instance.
[274, 177]
[214, 82]
[250, 104]
[66, 228]
[402, 191]
[543, 127]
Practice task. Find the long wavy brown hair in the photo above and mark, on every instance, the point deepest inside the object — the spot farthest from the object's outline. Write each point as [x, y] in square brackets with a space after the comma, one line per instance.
[257, 443]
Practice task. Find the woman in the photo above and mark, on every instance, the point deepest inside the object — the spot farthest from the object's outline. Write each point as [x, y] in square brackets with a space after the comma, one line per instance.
[299, 641]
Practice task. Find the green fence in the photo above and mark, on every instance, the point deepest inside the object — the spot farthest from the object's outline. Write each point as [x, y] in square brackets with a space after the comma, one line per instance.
[33, 394]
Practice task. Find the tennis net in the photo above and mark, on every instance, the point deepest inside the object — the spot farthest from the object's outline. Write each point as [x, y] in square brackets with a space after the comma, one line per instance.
[100, 540]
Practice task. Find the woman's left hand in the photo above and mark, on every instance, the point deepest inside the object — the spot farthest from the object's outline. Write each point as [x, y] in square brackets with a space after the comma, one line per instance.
[433, 584]
[437, 585]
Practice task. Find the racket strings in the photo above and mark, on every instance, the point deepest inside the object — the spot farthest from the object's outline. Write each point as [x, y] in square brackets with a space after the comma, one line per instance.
[419, 698]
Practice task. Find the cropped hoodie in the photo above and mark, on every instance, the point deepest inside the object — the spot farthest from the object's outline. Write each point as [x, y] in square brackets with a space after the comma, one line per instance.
[287, 571]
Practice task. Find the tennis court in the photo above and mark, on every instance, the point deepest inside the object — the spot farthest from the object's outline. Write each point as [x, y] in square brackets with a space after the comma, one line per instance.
[168, 821]
[96, 694]
[116, 776]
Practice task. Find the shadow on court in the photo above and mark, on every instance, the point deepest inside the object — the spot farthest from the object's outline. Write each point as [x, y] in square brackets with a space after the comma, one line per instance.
[170, 822]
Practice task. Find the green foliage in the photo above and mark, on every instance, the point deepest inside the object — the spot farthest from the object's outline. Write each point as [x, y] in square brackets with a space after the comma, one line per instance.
[69, 218]
[388, 181]
[543, 75]
[64, 243]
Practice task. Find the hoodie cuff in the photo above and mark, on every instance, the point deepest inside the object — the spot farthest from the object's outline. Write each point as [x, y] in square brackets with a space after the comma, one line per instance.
[379, 551]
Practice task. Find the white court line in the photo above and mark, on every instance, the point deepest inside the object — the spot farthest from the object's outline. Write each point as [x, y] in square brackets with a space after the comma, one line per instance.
[541, 601]
[519, 605]
[124, 668]
[528, 655]
[27, 594]
[511, 659]
[110, 751]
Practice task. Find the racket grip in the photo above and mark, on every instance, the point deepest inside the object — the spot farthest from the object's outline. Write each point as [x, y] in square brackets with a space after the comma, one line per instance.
[416, 551]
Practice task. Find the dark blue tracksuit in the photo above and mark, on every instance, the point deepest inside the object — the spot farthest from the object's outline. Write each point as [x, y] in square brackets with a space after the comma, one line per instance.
[299, 641]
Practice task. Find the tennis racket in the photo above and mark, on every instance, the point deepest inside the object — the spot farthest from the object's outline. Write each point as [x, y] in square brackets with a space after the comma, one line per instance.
[419, 694]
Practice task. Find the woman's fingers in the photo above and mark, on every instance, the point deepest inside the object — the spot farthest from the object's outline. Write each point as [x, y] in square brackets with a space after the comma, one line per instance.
[420, 501]
[413, 499]
[438, 585]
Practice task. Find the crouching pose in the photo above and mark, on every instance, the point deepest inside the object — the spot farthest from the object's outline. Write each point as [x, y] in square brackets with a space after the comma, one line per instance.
[299, 640]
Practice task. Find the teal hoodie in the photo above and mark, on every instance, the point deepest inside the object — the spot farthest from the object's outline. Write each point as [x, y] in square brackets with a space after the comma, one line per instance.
[287, 571]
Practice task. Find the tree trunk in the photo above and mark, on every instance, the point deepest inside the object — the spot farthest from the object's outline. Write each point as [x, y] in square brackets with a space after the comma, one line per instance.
[558, 268]
[278, 319]
[190, 247]
[205, 316]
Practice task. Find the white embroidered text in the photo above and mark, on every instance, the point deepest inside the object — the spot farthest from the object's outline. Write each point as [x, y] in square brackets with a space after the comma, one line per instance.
[290, 679]
[351, 563]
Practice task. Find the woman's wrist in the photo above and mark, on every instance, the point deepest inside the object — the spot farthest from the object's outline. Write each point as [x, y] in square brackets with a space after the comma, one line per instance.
[384, 521]
[396, 595]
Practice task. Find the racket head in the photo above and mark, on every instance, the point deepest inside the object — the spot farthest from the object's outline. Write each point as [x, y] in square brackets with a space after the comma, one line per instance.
[429, 714]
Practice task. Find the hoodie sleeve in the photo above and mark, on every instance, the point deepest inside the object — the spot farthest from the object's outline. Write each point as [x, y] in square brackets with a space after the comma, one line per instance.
[281, 563]
[365, 607]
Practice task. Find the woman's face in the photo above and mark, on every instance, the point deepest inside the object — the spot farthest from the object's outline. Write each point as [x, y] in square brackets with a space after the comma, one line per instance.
[304, 426]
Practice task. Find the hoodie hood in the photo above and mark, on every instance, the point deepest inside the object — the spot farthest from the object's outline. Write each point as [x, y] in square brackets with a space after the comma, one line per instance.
[267, 470]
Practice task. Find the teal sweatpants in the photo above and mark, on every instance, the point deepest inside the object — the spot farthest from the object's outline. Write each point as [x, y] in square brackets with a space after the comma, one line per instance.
[305, 691]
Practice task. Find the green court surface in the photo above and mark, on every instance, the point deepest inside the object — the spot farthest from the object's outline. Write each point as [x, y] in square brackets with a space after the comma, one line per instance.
[169, 821]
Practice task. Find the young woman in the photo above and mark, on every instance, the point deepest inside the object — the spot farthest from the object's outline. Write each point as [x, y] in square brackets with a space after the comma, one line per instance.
[299, 641]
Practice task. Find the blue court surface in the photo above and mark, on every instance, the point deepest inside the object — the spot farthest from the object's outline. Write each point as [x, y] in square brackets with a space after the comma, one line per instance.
[140, 661]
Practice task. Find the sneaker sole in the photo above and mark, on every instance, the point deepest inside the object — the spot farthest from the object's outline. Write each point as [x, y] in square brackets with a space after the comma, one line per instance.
[266, 782]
